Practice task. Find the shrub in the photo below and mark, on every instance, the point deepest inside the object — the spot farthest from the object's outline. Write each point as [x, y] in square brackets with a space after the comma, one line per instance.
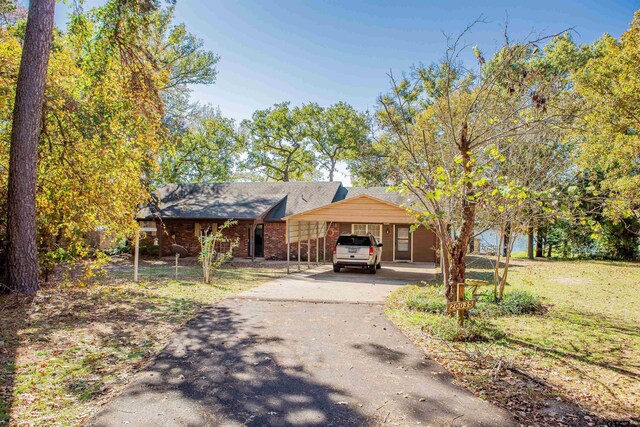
[520, 302]
[425, 299]
[148, 250]
[474, 329]
[211, 256]
[516, 302]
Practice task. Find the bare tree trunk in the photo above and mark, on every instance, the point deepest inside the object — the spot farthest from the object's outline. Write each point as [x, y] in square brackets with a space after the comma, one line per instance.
[549, 250]
[22, 259]
[496, 269]
[458, 251]
[507, 236]
[332, 170]
[530, 242]
[444, 263]
[539, 246]
[505, 271]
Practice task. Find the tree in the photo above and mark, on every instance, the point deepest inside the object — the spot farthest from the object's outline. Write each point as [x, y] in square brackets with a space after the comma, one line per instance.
[207, 149]
[533, 170]
[450, 126]
[102, 122]
[609, 84]
[216, 249]
[277, 140]
[22, 254]
[336, 132]
[371, 165]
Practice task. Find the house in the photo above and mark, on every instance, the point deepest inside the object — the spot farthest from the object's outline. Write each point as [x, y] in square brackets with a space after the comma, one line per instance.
[308, 215]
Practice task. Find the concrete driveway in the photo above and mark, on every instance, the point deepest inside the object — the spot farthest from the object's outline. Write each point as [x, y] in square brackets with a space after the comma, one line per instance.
[267, 359]
[348, 286]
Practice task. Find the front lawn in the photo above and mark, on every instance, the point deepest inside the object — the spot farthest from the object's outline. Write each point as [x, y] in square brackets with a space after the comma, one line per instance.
[584, 348]
[73, 347]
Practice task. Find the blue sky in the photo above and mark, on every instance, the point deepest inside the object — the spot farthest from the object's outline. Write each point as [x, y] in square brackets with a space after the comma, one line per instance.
[330, 51]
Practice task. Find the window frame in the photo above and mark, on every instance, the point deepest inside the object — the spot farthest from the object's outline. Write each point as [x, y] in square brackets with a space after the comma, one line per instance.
[377, 236]
[201, 227]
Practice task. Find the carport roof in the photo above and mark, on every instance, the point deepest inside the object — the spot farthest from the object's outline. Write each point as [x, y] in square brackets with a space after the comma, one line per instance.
[361, 208]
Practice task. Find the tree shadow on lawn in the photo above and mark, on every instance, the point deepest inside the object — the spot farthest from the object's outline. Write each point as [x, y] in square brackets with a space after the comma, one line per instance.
[587, 321]
[617, 360]
[83, 338]
[13, 311]
[565, 358]
[221, 371]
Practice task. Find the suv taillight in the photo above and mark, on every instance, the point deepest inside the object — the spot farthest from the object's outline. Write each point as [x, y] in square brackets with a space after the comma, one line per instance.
[335, 249]
[370, 250]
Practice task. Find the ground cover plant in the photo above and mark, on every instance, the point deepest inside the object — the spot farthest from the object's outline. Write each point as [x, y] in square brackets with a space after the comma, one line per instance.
[72, 347]
[562, 347]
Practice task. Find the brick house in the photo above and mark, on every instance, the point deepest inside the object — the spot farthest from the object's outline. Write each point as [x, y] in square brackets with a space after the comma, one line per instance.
[308, 215]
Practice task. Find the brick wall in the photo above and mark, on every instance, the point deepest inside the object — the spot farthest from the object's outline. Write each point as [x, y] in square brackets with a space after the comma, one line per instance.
[182, 232]
[275, 246]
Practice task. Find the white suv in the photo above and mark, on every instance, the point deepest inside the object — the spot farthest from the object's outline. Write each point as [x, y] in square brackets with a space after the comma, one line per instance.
[354, 250]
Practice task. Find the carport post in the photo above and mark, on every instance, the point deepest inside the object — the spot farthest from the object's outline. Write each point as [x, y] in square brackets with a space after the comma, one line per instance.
[288, 240]
[136, 256]
[317, 238]
[252, 240]
[298, 245]
[308, 245]
[324, 241]
[324, 249]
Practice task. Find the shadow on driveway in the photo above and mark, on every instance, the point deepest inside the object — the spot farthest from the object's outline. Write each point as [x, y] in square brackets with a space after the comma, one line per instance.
[220, 371]
[266, 363]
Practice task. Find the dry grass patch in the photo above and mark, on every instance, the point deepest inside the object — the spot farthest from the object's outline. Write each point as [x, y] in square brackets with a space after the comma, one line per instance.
[71, 348]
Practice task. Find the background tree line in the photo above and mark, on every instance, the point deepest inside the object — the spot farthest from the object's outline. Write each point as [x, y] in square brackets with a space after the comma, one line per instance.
[280, 143]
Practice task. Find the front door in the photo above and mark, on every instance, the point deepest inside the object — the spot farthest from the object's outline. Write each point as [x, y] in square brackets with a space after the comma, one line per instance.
[403, 243]
[259, 240]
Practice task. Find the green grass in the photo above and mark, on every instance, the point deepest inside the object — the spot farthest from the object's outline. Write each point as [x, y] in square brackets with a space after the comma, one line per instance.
[73, 347]
[586, 345]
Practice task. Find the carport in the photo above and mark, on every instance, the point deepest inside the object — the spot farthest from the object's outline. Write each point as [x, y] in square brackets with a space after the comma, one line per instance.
[314, 224]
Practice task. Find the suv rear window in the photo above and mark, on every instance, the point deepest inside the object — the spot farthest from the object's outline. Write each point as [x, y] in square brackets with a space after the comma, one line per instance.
[354, 240]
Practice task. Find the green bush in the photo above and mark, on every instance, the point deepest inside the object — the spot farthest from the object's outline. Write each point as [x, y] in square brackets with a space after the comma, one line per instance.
[149, 250]
[425, 299]
[121, 247]
[474, 329]
[519, 302]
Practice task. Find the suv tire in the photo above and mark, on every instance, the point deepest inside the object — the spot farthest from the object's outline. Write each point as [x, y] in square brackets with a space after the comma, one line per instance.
[372, 269]
[336, 269]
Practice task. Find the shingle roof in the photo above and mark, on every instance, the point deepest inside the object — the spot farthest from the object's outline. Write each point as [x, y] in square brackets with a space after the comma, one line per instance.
[239, 200]
[382, 193]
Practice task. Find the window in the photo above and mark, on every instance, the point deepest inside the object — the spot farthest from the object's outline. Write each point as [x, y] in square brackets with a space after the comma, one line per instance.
[375, 229]
[204, 228]
[143, 224]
